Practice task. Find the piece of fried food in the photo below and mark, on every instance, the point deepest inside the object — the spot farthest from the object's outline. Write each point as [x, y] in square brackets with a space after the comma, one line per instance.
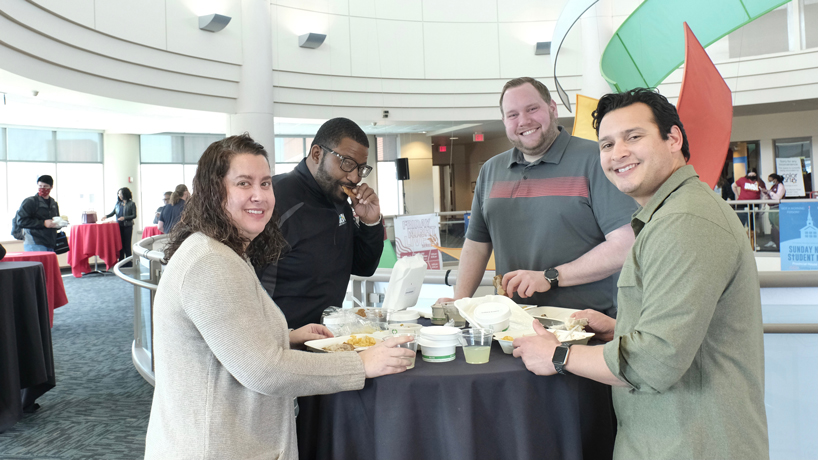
[361, 312]
[364, 341]
[349, 191]
[498, 284]
[508, 337]
[339, 347]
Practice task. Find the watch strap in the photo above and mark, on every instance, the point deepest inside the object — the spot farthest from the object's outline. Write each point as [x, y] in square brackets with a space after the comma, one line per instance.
[559, 366]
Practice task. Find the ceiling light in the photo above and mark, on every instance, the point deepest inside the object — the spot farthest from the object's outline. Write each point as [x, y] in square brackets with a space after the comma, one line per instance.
[542, 48]
[311, 40]
[213, 22]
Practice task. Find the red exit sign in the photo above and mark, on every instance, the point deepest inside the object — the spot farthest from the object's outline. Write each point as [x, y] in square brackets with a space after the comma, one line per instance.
[441, 149]
[477, 138]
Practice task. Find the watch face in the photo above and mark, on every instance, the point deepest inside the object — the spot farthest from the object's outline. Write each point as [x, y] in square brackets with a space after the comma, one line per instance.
[560, 353]
[551, 273]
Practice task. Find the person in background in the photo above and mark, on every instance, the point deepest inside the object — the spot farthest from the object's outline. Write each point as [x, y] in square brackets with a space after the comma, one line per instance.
[35, 218]
[125, 212]
[325, 241]
[748, 188]
[173, 210]
[776, 192]
[685, 354]
[226, 371]
[724, 188]
[558, 228]
[165, 201]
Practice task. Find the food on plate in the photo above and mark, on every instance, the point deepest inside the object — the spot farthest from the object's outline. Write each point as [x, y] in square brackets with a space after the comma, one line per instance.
[361, 312]
[349, 192]
[567, 336]
[498, 284]
[576, 324]
[339, 347]
[508, 337]
[363, 341]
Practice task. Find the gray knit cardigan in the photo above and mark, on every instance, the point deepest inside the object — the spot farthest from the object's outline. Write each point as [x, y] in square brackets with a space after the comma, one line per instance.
[225, 375]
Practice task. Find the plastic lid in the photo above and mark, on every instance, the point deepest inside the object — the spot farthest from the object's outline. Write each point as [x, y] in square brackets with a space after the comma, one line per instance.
[439, 332]
[491, 312]
[403, 315]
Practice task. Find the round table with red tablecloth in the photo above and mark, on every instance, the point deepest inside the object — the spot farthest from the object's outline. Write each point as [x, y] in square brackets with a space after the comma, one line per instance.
[151, 230]
[89, 240]
[53, 277]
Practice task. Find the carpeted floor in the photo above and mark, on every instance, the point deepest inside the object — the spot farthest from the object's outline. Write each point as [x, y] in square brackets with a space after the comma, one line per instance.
[100, 406]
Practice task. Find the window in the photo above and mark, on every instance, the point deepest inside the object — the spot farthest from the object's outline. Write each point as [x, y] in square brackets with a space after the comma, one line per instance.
[167, 160]
[80, 190]
[155, 180]
[390, 189]
[800, 149]
[30, 145]
[810, 24]
[72, 157]
[767, 34]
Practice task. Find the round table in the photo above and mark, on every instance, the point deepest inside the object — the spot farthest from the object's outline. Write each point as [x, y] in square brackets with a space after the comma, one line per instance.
[461, 411]
[149, 231]
[89, 240]
[53, 277]
[27, 359]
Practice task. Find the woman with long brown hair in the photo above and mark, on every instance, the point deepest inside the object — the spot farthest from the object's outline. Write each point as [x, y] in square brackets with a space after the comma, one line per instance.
[225, 372]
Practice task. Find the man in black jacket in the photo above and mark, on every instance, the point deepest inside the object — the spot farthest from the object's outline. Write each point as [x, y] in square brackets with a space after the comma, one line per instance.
[35, 218]
[325, 242]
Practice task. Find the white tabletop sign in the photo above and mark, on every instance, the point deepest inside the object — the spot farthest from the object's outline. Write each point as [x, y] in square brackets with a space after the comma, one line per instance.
[790, 169]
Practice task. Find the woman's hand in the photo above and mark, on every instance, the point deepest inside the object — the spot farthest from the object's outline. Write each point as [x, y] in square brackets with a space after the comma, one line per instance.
[121, 219]
[599, 323]
[309, 332]
[386, 358]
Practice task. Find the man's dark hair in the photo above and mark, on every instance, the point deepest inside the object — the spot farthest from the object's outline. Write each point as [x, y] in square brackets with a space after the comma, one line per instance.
[333, 131]
[664, 113]
[46, 179]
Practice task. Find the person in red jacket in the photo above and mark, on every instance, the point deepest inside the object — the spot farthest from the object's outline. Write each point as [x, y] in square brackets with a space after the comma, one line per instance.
[748, 188]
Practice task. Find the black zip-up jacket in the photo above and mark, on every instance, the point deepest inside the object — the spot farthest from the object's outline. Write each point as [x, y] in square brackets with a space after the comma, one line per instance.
[33, 213]
[325, 244]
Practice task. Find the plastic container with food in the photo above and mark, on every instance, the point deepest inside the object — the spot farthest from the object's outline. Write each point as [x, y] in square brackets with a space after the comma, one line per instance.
[438, 343]
[492, 315]
[405, 328]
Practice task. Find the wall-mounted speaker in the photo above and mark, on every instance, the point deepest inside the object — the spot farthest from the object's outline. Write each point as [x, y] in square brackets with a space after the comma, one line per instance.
[402, 167]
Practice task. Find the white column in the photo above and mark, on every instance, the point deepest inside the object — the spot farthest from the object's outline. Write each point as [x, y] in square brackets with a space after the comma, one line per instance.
[597, 30]
[254, 106]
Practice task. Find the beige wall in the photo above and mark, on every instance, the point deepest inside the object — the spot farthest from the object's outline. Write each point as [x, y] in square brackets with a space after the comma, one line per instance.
[418, 189]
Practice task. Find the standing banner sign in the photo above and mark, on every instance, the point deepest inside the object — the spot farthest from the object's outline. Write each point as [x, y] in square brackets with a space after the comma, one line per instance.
[417, 235]
[791, 170]
[799, 236]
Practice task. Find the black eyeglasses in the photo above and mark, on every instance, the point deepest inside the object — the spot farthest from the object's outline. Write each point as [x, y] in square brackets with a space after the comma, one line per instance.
[349, 165]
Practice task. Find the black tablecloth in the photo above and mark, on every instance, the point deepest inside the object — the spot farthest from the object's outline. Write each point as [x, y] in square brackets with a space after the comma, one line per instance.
[26, 357]
[456, 410]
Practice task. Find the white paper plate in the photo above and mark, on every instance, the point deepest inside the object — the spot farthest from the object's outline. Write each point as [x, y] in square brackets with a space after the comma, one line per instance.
[319, 345]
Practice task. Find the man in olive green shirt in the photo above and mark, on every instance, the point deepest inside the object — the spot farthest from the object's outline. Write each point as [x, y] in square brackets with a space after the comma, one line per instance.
[685, 354]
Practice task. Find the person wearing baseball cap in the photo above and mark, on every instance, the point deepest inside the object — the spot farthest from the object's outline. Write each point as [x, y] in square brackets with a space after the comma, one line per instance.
[35, 217]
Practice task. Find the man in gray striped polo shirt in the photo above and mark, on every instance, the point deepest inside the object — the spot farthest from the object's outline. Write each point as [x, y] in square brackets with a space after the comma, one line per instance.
[558, 227]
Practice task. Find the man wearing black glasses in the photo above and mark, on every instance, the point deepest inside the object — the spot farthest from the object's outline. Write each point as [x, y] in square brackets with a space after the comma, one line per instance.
[326, 241]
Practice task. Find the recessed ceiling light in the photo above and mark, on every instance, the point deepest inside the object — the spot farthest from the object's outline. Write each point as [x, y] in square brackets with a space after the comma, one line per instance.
[452, 138]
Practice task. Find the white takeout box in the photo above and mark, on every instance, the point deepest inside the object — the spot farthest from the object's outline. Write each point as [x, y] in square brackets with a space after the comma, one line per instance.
[519, 320]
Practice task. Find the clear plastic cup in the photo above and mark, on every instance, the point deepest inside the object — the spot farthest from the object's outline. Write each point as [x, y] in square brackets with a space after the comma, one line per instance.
[476, 345]
[413, 345]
